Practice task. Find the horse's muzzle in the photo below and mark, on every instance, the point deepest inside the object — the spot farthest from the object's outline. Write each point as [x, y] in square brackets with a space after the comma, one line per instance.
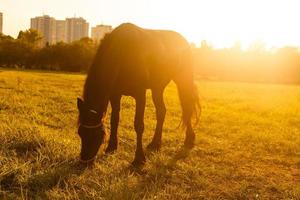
[91, 140]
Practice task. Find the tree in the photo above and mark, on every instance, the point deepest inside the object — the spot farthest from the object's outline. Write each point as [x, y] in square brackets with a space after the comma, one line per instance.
[30, 37]
[5, 37]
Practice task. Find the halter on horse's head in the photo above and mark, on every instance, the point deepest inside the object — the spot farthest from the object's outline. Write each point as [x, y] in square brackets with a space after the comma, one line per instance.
[91, 131]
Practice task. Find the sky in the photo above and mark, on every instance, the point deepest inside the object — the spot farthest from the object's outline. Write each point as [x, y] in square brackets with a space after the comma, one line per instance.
[221, 23]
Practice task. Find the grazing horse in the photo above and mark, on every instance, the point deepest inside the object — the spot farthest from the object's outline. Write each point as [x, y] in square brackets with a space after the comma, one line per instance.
[129, 61]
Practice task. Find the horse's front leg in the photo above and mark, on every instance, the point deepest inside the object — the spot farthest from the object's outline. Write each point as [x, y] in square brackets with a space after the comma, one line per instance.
[139, 128]
[114, 122]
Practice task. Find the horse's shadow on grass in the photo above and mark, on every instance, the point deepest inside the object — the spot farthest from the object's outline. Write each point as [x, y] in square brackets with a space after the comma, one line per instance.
[39, 184]
[150, 179]
[181, 154]
[28, 150]
[170, 165]
[55, 177]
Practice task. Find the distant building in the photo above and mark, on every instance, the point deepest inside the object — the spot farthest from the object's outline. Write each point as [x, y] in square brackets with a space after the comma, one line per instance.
[76, 28]
[46, 26]
[61, 31]
[1, 22]
[99, 31]
[54, 31]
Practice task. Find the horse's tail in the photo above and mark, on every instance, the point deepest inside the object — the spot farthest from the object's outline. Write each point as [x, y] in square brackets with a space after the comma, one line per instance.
[188, 93]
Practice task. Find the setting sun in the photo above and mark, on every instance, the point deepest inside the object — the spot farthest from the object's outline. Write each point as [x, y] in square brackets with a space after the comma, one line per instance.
[224, 23]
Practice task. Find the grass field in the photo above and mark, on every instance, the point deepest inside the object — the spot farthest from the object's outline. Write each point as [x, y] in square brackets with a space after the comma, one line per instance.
[247, 146]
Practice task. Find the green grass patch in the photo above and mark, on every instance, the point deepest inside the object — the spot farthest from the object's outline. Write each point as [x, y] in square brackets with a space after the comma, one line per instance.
[247, 145]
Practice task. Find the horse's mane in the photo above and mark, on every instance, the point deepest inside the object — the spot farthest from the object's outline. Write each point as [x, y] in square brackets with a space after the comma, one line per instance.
[104, 43]
[90, 79]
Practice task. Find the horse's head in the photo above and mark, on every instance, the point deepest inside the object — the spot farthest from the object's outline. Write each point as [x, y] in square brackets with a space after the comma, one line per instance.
[91, 131]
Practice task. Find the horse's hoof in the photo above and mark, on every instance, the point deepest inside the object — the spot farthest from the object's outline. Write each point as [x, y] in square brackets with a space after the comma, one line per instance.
[153, 146]
[86, 164]
[189, 144]
[189, 141]
[110, 150]
[138, 162]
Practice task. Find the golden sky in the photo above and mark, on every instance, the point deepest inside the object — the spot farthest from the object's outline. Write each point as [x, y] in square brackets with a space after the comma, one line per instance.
[221, 22]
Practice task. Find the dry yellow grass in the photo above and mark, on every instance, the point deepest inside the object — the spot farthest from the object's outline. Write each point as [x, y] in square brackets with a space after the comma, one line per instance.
[247, 147]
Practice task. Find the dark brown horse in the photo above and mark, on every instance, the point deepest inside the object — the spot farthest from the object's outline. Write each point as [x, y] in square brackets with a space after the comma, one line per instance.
[130, 60]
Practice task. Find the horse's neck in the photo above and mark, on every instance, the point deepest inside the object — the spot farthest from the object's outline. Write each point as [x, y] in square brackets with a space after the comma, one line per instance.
[95, 98]
[98, 86]
[96, 103]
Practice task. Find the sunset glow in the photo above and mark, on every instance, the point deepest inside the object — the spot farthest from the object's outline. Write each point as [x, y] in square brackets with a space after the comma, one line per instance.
[221, 23]
[150, 99]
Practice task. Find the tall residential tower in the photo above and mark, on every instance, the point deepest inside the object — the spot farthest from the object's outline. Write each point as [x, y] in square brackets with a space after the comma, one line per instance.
[61, 31]
[46, 26]
[76, 28]
[1, 23]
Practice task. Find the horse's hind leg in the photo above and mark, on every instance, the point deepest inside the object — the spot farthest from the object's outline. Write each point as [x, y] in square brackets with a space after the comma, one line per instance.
[114, 122]
[190, 136]
[188, 100]
[157, 97]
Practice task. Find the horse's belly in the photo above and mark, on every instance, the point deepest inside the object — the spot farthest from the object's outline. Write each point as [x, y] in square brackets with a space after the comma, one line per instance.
[131, 86]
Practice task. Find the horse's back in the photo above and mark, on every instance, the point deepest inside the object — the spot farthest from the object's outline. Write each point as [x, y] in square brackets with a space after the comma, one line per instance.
[143, 57]
[158, 43]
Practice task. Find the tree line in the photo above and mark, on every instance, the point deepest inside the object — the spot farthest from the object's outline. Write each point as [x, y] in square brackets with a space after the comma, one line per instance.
[255, 64]
[27, 52]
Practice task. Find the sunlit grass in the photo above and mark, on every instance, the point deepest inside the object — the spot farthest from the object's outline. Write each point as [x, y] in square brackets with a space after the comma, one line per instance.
[248, 144]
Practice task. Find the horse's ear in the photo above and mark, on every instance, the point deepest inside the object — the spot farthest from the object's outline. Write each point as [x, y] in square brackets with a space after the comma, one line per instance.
[80, 103]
